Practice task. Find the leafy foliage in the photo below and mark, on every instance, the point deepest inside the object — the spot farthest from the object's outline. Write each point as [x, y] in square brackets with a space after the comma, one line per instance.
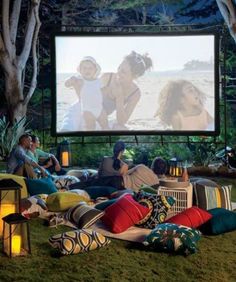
[9, 135]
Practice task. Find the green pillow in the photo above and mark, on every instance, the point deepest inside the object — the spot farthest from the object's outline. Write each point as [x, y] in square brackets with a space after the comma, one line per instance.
[171, 237]
[62, 201]
[78, 241]
[40, 186]
[222, 221]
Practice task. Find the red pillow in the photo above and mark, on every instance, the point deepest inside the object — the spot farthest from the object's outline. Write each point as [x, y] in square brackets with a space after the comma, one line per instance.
[123, 214]
[192, 217]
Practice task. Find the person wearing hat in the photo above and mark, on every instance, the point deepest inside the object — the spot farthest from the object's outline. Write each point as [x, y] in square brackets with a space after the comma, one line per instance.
[90, 98]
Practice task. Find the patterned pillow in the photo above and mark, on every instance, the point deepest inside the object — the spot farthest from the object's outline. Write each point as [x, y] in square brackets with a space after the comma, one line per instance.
[170, 237]
[222, 221]
[32, 207]
[124, 213]
[82, 215]
[210, 197]
[159, 206]
[64, 181]
[78, 241]
[62, 201]
[192, 217]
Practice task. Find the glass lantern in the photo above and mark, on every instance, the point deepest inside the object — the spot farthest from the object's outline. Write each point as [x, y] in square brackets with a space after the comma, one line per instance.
[10, 195]
[64, 153]
[16, 239]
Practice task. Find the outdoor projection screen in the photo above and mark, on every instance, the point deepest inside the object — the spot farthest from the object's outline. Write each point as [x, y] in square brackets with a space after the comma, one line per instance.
[104, 84]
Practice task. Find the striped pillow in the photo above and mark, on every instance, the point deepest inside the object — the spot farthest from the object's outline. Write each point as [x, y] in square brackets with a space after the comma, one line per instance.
[208, 197]
[82, 215]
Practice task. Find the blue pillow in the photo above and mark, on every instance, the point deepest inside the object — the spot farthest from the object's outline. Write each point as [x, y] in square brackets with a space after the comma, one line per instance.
[99, 191]
[105, 204]
[222, 221]
[40, 186]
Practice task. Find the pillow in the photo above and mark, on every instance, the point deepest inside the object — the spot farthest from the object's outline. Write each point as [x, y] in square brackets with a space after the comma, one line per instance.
[62, 201]
[222, 221]
[40, 186]
[82, 193]
[103, 205]
[78, 241]
[99, 191]
[192, 217]
[159, 206]
[148, 189]
[208, 195]
[64, 181]
[170, 237]
[19, 179]
[82, 215]
[123, 214]
[32, 207]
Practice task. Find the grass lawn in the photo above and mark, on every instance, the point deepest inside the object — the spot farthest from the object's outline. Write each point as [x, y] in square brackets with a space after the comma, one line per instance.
[121, 261]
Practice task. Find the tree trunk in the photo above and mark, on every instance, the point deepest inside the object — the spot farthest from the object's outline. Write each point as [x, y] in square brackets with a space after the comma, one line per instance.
[14, 62]
[228, 11]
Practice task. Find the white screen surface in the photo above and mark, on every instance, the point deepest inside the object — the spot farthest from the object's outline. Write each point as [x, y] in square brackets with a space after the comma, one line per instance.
[177, 94]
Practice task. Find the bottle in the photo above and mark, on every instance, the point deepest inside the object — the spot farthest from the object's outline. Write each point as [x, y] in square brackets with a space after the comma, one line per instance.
[185, 177]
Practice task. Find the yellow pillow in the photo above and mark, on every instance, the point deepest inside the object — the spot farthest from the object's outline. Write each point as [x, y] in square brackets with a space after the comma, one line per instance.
[62, 201]
[19, 179]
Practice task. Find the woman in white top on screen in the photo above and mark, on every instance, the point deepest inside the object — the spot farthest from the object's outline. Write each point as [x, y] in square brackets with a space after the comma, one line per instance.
[87, 111]
[181, 106]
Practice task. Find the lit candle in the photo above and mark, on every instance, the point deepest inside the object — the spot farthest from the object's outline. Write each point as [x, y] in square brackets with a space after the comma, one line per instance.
[5, 209]
[65, 158]
[15, 244]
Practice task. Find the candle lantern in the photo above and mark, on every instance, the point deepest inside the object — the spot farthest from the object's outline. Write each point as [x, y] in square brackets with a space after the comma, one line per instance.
[10, 195]
[172, 166]
[64, 153]
[16, 240]
[175, 167]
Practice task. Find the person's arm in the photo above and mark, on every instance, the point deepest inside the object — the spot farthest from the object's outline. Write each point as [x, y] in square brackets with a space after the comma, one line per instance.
[131, 104]
[176, 122]
[21, 155]
[76, 83]
[124, 169]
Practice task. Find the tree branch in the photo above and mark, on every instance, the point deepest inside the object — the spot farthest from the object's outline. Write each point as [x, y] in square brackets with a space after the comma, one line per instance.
[29, 34]
[35, 58]
[228, 12]
[14, 20]
[5, 27]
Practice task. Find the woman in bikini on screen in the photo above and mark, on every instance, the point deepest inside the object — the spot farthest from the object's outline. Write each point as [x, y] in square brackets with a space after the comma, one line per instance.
[181, 106]
[120, 92]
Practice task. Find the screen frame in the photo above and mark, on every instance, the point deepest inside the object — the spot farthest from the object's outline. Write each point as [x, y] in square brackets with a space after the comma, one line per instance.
[54, 131]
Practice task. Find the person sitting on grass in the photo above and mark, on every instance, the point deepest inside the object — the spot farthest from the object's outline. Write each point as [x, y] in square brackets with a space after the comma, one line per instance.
[50, 162]
[20, 163]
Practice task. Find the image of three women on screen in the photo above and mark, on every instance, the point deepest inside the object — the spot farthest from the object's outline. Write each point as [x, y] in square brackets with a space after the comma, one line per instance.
[180, 103]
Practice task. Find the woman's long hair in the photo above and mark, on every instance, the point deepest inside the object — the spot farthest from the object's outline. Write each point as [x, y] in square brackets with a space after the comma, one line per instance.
[118, 147]
[170, 99]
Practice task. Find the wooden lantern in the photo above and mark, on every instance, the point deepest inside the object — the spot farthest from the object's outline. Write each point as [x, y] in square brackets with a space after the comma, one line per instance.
[10, 195]
[16, 238]
[64, 153]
